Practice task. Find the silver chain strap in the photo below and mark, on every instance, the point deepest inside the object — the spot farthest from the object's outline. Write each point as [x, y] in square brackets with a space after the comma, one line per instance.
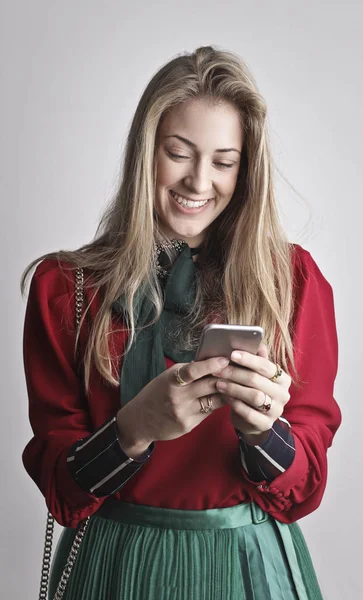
[49, 531]
[71, 559]
[47, 554]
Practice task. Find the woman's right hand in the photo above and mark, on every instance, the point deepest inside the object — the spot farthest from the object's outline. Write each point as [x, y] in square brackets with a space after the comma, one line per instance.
[164, 409]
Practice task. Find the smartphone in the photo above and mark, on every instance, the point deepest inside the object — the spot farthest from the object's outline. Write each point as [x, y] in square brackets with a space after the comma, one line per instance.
[221, 340]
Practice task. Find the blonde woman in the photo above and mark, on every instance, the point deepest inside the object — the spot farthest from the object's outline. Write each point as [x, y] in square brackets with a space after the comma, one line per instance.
[194, 473]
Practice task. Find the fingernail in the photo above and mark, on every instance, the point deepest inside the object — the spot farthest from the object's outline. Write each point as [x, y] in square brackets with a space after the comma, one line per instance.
[221, 385]
[236, 355]
[223, 362]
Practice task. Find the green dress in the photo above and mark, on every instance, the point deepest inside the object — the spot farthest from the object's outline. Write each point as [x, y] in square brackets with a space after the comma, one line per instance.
[133, 552]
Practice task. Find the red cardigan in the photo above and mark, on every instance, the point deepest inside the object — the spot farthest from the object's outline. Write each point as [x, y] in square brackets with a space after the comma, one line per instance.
[199, 470]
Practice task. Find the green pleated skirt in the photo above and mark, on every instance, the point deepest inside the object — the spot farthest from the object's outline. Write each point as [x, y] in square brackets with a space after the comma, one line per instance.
[133, 552]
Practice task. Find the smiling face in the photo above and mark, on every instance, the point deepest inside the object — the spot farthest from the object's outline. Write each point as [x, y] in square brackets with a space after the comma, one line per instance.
[197, 157]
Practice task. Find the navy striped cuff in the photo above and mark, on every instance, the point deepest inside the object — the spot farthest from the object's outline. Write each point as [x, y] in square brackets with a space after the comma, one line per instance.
[99, 465]
[273, 457]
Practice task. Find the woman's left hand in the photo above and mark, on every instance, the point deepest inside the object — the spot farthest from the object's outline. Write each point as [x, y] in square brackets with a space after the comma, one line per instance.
[247, 387]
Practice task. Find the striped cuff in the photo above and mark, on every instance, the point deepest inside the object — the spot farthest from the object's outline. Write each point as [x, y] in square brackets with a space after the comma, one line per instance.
[272, 458]
[99, 465]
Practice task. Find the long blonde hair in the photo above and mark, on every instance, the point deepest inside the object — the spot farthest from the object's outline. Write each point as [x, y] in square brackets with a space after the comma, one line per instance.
[247, 275]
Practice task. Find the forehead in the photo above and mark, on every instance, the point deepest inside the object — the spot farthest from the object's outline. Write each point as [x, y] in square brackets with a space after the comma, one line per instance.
[209, 126]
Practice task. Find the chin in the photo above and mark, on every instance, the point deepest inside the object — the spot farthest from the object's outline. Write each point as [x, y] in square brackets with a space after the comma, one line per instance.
[188, 236]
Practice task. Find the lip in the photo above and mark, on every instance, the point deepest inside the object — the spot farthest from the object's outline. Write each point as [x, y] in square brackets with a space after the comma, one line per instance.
[187, 210]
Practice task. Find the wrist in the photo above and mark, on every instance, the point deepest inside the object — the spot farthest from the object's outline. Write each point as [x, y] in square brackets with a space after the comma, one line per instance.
[133, 444]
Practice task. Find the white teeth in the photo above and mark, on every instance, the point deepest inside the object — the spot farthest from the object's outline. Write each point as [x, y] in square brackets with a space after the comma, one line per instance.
[187, 203]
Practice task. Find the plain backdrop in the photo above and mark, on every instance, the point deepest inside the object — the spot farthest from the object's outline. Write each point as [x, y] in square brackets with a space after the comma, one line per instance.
[72, 74]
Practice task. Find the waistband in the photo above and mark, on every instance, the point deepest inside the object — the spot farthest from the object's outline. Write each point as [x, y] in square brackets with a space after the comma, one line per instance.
[173, 518]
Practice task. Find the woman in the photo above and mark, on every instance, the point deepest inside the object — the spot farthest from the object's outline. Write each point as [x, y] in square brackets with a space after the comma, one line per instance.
[194, 472]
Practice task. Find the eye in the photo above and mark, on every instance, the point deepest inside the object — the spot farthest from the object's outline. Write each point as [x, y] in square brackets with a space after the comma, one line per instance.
[182, 157]
[224, 165]
[177, 156]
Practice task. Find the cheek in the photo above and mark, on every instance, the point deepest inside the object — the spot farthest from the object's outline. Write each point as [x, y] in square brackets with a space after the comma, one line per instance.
[166, 173]
[162, 175]
[228, 187]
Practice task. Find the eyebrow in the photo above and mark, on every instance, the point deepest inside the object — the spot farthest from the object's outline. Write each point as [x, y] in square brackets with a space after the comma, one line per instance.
[189, 143]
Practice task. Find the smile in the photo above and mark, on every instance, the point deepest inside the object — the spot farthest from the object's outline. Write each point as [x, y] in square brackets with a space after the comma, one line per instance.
[188, 203]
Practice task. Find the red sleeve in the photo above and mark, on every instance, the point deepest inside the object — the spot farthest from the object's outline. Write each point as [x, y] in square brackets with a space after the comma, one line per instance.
[57, 407]
[312, 410]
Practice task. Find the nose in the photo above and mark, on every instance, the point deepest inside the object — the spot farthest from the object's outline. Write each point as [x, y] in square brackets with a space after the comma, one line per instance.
[199, 180]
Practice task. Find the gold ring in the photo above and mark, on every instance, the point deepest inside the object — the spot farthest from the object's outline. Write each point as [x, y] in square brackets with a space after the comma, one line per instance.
[178, 378]
[210, 403]
[277, 374]
[266, 406]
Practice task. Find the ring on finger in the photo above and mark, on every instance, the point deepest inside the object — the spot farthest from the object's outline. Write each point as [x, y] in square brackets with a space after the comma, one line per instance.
[205, 409]
[179, 379]
[266, 406]
[278, 373]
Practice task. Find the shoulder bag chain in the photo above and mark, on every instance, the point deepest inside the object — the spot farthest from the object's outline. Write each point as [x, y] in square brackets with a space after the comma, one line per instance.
[49, 531]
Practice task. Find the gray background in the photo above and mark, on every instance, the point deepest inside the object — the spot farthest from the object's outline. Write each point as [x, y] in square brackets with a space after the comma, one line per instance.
[72, 73]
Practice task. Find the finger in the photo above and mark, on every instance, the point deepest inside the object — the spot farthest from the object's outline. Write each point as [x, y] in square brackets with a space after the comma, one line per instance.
[254, 398]
[252, 379]
[190, 372]
[258, 420]
[260, 364]
[201, 387]
[263, 351]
